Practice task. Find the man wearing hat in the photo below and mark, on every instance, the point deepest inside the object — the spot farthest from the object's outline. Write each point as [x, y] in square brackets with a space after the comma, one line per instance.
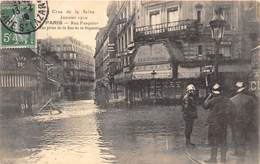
[219, 107]
[245, 121]
[189, 112]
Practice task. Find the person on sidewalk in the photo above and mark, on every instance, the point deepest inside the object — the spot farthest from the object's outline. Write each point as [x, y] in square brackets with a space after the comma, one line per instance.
[246, 122]
[189, 112]
[219, 108]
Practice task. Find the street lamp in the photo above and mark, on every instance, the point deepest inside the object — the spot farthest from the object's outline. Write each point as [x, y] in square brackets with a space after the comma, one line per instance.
[153, 73]
[217, 25]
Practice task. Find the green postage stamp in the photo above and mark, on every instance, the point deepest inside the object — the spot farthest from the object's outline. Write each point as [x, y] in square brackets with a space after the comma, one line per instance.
[19, 22]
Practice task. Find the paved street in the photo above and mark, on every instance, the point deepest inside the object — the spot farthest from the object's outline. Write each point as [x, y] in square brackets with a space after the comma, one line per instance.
[83, 133]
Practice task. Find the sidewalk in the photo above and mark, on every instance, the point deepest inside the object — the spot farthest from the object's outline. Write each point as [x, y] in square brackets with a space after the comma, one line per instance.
[199, 154]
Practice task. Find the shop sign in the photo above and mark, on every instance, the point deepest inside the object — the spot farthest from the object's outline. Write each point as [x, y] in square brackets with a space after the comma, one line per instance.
[161, 74]
[188, 72]
[208, 69]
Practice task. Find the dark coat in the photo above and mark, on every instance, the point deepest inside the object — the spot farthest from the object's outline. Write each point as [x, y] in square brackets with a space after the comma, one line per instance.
[189, 107]
[219, 113]
[245, 111]
[220, 108]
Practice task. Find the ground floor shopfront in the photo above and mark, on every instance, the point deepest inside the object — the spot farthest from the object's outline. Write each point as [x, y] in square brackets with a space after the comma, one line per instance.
[25, 100]
[128, 88]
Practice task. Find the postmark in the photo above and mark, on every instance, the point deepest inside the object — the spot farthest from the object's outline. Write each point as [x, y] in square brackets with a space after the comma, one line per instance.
[24, 17]
[20, 20]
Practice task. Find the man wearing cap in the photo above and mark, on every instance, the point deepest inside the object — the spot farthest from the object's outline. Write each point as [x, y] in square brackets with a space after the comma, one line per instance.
[189, 112]
[245, 121]
[219, 107]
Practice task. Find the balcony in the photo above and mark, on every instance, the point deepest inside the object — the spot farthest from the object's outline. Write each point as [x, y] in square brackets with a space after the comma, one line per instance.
[177, 29]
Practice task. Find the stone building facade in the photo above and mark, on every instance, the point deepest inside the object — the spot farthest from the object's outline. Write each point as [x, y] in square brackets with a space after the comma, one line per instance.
[24, 86]
[161, 46]
[73, 64]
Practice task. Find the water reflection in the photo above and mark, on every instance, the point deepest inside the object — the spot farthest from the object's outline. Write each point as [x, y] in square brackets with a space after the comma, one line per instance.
[142, 135]
[66, 138]
[85, 134]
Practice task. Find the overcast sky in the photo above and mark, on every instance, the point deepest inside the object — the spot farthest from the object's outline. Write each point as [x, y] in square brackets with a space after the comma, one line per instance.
[86, 36]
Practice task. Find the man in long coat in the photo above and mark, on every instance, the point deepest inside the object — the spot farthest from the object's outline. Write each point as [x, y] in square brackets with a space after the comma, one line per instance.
[219, 109]
[245, 122]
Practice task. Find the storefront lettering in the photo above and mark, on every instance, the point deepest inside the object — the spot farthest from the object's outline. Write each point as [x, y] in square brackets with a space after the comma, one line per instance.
[254, 85]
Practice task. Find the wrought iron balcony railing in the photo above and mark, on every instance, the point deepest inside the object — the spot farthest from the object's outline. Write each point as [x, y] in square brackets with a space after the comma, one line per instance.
[176, 28]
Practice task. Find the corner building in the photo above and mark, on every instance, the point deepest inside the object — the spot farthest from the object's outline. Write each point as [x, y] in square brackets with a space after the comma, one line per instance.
[161, 46]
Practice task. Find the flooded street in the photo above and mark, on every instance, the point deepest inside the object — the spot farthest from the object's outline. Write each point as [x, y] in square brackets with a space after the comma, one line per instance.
[83, 133]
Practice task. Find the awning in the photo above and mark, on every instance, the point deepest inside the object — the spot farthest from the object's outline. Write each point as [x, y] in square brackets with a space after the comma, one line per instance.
[151, 54]
[157, 52]
[122, 77]
[184, 73]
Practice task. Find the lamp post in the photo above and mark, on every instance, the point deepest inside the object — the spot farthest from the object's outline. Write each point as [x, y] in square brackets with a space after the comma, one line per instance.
[217, 25]
[153, 73]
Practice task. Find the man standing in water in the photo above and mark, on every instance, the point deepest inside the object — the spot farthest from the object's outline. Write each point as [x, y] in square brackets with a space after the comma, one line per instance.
[189, 112]
[219, 111]
[245, 123]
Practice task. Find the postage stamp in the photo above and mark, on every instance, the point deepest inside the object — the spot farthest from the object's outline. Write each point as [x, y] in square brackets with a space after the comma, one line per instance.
[20, 20]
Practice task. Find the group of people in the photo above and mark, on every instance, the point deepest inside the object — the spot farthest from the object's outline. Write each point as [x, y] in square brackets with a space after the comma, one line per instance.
[238, 112]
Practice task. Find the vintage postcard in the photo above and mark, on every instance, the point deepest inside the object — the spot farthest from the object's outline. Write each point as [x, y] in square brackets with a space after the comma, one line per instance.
[129, 81]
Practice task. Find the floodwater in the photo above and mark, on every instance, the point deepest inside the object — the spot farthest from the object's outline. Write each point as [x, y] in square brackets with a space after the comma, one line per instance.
[86, 134]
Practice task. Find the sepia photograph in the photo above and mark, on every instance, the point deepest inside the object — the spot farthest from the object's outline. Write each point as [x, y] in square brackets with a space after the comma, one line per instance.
[129, 81]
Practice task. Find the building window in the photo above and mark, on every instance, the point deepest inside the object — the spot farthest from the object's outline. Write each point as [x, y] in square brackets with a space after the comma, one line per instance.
[227, 15]
[129, 60]
[118, 44]
[198, 15]
[129, 35]
[122, 43]
[225, 51]
[65, 64]
[71, 56]
[125, 12]
[200, 50]
[126, 40]
[172, 14]
[198, 10]
[155, 17]
[58, 48]
[52, 48]
[258, 10]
